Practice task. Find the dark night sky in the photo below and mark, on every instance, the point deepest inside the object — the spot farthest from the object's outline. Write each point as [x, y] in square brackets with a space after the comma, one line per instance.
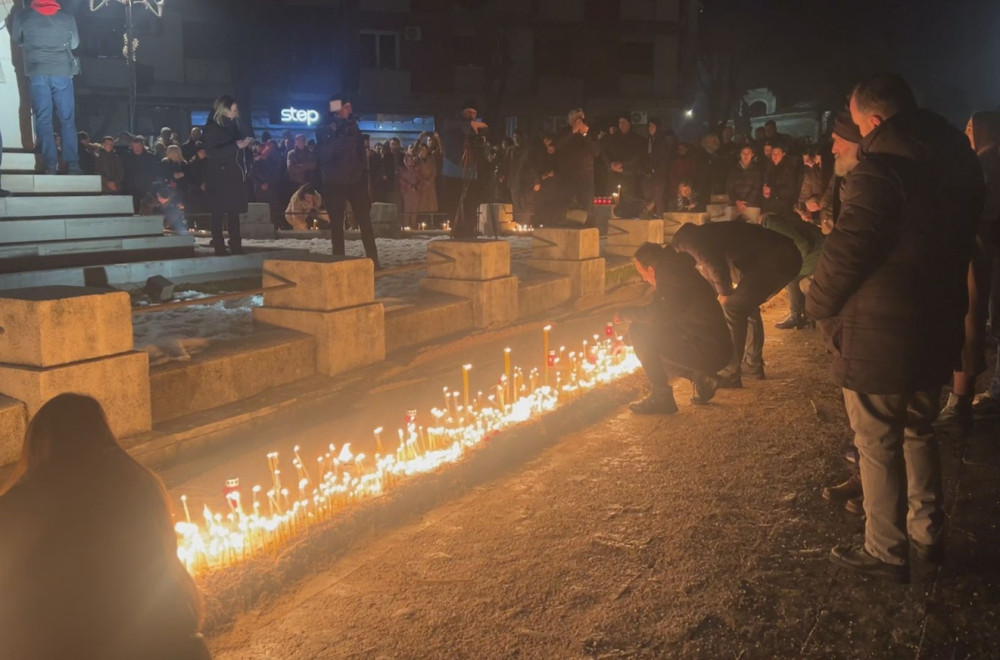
[805, 50]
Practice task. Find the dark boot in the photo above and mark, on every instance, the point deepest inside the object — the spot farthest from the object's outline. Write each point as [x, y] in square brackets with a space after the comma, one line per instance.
[856, 558]
[844, 491]
[729, 380]
[792, 322]
[704, 388]
[655, 403]
[753, 370]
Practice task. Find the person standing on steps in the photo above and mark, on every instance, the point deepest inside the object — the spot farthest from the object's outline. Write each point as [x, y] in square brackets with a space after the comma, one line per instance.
[48, 36]
[680, 334]
[343, 162]
[226, 173]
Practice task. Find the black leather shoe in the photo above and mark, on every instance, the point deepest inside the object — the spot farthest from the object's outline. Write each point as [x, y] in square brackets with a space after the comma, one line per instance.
[843, 491]
[654, 404]
[704, 389]
[730, 381]
[930, 554]
[856, 558]
[221, 252]
[753, 370]
[792, 322]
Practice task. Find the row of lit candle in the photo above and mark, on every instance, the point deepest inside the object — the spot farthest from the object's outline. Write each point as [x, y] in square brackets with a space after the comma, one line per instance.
[343, 477]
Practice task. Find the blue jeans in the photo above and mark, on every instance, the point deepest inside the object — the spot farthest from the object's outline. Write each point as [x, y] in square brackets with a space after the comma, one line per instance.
[48, 92]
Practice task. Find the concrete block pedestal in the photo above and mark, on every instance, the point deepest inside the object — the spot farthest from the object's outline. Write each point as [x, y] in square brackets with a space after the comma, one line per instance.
[256, 222]
[575, 253]
[626, 235]
[674, 221]
[59, 339]
[334, 301]
[478, 270]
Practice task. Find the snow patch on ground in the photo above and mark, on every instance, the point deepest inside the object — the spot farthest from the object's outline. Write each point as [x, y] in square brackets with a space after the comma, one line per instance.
[177, 333]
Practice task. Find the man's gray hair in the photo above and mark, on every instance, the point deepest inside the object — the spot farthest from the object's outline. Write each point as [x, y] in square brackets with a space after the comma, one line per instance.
[884, 95]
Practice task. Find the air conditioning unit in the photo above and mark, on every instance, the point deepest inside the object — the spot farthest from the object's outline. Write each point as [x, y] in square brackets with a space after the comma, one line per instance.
[412, 33]
[640, 117]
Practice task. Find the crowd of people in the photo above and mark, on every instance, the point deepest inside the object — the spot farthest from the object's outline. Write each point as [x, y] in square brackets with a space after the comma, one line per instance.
[902, 284]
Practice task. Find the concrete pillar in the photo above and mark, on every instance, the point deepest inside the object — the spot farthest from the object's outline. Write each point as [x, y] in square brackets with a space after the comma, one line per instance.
[256, 222]
[334, 301]
[573, 252]
[673, 221]
[625, 236]
[61, 339]
[478, 270]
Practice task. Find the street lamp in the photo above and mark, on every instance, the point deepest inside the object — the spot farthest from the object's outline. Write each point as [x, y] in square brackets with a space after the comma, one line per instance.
[131, 45]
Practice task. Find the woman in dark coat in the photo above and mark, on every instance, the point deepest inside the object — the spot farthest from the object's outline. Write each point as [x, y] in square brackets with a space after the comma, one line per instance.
[88, 553]
[681, 333]
[226, 173]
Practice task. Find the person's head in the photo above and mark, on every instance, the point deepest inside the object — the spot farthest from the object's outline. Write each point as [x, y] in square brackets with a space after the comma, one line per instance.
[727, 134]
[165, 133]
[846, 137]
[518, 138]
[710, 143]
[340, 106]
[69, 430]
[83, 138]
[409, 159]
[682, 149]
[759, 133]
[651, 257]
[768, 147]
[770, 129]
[777, 154]
[653, 127]
[877, 98]
[108, 143]
[300, 142]
[224, 108]
[624, 124]
[195, 134]
[175, 154]
[746, 156]
[138, 144]
[470, 109]
[983, 130]
[684, 188]
[394, 145]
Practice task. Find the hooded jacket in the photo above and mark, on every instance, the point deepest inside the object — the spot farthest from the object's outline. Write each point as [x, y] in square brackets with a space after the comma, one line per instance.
[891, 283]
[48, 35]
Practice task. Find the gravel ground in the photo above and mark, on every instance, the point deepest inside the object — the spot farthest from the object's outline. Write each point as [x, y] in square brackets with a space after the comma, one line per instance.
[698, 535]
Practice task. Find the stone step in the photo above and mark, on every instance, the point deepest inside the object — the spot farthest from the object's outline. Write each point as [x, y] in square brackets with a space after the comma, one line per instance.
[56, 207]
[539, 291]
[120, 272]
[51, 184]
[431, 316]
[17, 161]
[231, 371]
[94, 245]
[62, 229]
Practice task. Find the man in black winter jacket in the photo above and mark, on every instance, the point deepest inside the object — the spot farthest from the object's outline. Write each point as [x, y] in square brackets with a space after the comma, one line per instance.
[48, 36]
[890, 291]
[763, 262]
[575, 152]
[343, 162]
[744, 183]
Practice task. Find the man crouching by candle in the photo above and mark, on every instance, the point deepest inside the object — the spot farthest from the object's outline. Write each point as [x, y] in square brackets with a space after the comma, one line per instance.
[682, 333]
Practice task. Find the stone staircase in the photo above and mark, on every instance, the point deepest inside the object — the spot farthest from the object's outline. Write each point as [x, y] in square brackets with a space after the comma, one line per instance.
[65, 221]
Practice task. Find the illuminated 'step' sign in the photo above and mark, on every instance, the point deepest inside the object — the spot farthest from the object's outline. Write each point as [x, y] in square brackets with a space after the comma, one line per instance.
[296, 116]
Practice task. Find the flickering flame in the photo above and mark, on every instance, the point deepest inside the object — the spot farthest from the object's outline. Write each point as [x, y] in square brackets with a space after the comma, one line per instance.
[345, 477]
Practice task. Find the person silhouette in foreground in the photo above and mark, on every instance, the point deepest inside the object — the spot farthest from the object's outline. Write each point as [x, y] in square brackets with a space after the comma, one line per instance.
[682, 333]
[88, 553]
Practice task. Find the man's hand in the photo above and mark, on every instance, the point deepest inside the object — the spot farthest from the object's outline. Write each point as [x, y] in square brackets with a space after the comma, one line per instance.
[536, 187]
[617, 167]
[244, 143]
[741, 206]
[812, 206]
[112, 186]
[476, 125]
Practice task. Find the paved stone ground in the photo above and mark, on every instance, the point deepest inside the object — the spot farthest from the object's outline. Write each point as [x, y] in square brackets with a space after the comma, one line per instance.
[699, 535]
